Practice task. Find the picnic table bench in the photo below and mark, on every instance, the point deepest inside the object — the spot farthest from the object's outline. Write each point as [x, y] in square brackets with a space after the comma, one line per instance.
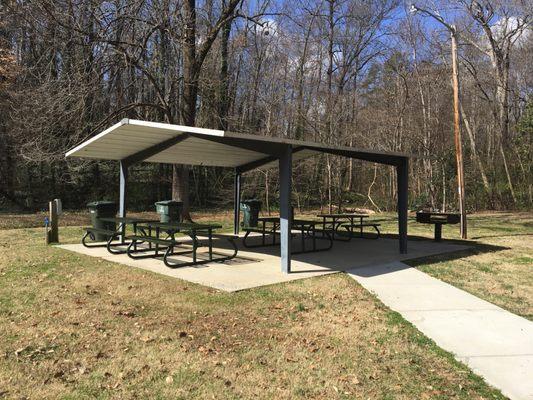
[350, 228]
[270, 226]
[267, 226]
[333, 222]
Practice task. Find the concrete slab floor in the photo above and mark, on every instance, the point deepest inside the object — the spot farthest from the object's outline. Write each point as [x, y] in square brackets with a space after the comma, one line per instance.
[495, 343]
[261, 266]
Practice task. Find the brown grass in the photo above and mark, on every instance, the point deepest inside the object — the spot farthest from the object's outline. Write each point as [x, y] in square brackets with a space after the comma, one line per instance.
[81, 218]
[499, 266]
[73, 327]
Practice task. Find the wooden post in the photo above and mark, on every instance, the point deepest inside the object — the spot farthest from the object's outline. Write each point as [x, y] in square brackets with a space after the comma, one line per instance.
[457, 134]
[53, 233]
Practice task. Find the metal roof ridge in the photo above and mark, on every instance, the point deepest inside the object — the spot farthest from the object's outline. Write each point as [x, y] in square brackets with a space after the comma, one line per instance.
[176, 127]
[313, 144]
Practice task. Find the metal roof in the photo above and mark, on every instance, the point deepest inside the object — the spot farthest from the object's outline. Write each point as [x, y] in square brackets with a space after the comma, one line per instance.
[133, 141]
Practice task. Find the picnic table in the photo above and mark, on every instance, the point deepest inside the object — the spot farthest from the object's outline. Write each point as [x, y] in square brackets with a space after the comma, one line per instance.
[161, 236]
[266, 226]
[269, 226]
[119, 231]
[332, 222]
[309, 227]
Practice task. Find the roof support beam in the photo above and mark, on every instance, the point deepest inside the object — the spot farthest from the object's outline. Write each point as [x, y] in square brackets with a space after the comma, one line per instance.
[155, 149]
[387, 159]
[258, 146]
[259, 163]
[255, 164]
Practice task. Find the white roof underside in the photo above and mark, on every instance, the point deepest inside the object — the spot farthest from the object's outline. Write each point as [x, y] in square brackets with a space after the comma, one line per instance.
[200, 146]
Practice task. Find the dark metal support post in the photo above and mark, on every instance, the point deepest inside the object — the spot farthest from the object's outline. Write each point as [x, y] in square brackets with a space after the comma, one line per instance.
[285, 174]
[237, 203]
[123, 188]
[438, 232]
[402, 172]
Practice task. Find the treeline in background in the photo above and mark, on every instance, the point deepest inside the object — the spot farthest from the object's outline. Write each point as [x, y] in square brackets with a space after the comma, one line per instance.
[360, 73]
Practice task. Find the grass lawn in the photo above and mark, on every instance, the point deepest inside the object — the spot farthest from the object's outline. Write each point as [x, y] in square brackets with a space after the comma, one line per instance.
[498, 268]
[72, 326]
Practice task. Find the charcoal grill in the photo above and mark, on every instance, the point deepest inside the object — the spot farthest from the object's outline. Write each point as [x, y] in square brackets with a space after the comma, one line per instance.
[438, 219]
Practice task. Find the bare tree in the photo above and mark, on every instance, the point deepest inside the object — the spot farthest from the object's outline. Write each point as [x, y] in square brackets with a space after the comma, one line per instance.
[346, 72]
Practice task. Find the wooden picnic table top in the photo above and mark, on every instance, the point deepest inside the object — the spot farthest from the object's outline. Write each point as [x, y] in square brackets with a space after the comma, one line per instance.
[436, 213]
[296, 221]
[182, 225]
[268, 219]
[306, 222]
[343, 215]
[126, 220]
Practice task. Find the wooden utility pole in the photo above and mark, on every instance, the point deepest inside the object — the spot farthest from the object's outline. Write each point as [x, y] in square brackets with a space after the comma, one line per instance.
[457, 134]
[456, 109]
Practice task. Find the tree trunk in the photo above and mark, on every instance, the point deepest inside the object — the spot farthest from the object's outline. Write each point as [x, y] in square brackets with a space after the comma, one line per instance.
[330, 200]
[508, 174]
[180, 188]
[223, 106]
[502, 98]
[180, 173]
[475, 154]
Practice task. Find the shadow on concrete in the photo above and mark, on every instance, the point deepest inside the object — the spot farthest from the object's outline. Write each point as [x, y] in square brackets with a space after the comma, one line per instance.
[262, 266]
[364, 252]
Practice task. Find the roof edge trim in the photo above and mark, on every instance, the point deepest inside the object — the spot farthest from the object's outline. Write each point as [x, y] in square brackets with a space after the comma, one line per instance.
[94, 138]
[174, 127]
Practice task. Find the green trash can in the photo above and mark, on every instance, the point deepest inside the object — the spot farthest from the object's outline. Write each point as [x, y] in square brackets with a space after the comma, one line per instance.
[102, 209]
[250, 212]
[169, 210]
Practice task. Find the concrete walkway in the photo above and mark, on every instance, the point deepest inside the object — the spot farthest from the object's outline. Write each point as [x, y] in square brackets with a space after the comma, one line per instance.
[494, 343]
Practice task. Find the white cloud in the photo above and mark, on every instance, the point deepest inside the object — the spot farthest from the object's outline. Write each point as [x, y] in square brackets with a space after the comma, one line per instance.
[508, 24]
[267, 27]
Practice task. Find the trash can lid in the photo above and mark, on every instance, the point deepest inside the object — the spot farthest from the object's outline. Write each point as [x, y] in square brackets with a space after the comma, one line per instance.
[168, 203]
[99, 203]
[250, 201]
